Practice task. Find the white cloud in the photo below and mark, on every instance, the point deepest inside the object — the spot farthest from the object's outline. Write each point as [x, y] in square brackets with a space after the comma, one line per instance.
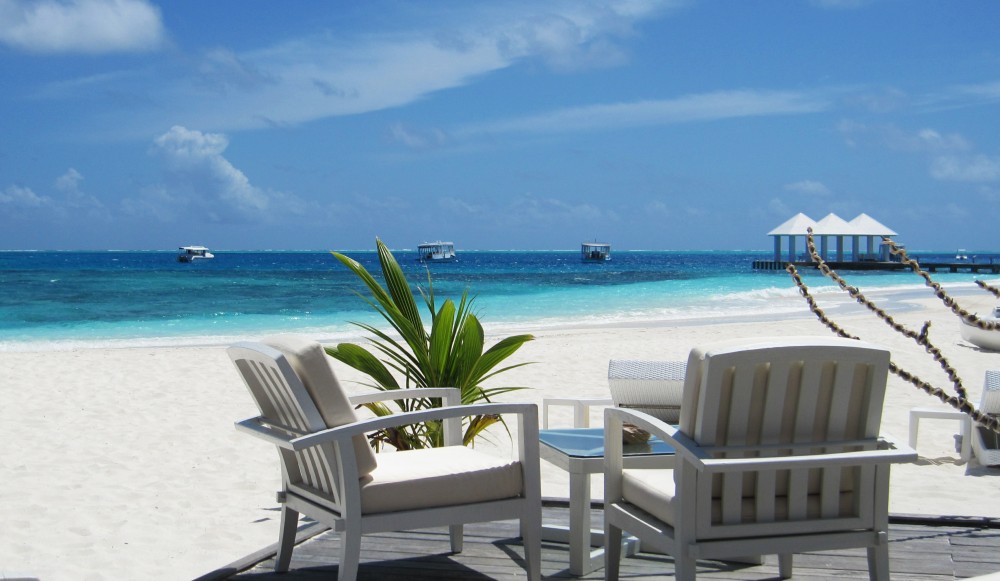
[529, 210]
[879, 100]
[72, 205]
[86, 26]
[156, 202]
[225, 70]
[460, 206]
[565, 42]
[689, 108]
[978, 168]
[922, 140]
[779, 208]
[22, 197]
[934, 141]
[69, 181]
[329, 75]
[196, 164]
[75, 198]
[809, 188]
[415, 138]
[659, 208]
[960, 96]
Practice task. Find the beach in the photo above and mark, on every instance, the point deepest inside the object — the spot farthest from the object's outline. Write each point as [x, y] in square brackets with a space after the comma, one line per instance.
[124, 463]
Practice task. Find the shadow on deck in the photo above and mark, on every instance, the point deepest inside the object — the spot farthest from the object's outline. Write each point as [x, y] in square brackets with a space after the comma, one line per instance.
[921, 549]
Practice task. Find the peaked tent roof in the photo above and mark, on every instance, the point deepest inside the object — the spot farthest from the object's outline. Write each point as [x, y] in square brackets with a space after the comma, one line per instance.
[833, 224]
[865, 225]
[797, 225]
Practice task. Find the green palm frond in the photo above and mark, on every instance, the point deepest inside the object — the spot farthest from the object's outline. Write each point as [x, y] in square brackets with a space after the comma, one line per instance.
[450, 355]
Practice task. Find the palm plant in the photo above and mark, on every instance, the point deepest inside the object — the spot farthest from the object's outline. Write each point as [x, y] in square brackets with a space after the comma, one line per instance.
[450, 355]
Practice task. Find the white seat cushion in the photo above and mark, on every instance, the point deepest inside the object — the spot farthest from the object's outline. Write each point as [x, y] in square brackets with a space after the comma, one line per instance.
[431, 477]
[311, 363]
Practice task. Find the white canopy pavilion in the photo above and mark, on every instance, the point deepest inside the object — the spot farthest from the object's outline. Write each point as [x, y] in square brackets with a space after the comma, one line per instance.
[863, 231]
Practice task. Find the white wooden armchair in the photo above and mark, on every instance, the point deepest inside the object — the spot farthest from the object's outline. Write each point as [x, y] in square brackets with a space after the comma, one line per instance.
[653, 387]
[777, 452]
[985, 442]
[330, 473]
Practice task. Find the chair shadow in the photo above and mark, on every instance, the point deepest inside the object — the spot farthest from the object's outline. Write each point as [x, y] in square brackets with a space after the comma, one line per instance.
[436, 566]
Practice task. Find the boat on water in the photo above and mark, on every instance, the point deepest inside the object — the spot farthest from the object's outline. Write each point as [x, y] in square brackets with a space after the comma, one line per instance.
[983, 338]
[192, 253]
[595, 251]
[436, 252]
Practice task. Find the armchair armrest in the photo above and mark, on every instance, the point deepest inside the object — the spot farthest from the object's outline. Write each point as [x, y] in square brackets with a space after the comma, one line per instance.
[581, 408]
[888, 449]
[614, 461]
[527, 426]
[450, 396]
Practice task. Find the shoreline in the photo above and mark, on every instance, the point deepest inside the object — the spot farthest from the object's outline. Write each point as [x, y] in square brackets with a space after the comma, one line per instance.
[124, 463]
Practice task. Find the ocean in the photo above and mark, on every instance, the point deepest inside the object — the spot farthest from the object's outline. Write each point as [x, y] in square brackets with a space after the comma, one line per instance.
[64, 300]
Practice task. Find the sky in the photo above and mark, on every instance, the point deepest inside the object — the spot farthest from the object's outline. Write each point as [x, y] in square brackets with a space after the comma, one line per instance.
[660, 125]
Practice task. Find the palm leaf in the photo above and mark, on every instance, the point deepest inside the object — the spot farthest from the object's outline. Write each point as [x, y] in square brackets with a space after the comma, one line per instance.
[362, 360]
[398, 287]
[449, 355]
[498, 353]
[441, 340]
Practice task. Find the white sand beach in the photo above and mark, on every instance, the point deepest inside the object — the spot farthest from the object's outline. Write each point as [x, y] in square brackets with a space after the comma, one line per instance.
[124, 463]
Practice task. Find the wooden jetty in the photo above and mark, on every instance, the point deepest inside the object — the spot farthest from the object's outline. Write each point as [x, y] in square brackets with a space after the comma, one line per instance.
[991, 267]
[855, 245]
[925, 548]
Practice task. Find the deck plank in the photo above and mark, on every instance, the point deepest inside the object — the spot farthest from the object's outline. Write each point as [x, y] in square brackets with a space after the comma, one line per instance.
[918, 552]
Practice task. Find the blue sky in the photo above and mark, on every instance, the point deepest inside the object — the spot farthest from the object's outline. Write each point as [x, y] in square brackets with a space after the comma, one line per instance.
[680, 124]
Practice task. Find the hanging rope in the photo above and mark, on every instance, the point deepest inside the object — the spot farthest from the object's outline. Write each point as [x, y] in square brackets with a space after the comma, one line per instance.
[970, 318]
[961, 401]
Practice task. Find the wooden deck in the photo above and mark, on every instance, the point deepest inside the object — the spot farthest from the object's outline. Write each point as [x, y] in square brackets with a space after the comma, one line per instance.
[920, 550]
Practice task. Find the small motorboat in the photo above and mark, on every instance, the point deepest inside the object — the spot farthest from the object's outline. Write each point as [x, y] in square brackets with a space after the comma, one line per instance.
[436, 252]
[983, 338]
[192, 253]
[595, 252]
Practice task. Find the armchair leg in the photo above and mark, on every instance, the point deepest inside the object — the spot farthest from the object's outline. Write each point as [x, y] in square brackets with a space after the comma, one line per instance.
[350, 554]
[685, 568]
[286, 539]
[878, 562]
[785, 565]
[612, 551]
[531, 536]
[456, 533]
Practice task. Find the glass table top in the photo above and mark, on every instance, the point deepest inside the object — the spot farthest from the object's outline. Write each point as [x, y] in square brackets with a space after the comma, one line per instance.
[589, 443]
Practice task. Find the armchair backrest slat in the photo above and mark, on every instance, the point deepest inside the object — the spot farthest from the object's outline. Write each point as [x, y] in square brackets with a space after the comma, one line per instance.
[283, 399]
[802, 390]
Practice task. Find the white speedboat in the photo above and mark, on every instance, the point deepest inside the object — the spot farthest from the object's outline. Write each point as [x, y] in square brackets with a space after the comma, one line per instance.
[192, 253]
[436, 251]
[984, 338]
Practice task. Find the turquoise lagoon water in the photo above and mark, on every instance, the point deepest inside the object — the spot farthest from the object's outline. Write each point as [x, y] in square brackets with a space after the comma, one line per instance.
[113, 298]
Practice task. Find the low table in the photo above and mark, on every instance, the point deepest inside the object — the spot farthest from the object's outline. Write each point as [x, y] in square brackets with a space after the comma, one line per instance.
[580, 451]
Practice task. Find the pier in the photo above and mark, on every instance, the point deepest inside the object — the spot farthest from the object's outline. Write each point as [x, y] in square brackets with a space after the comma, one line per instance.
[991, 267]
[860, 244]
